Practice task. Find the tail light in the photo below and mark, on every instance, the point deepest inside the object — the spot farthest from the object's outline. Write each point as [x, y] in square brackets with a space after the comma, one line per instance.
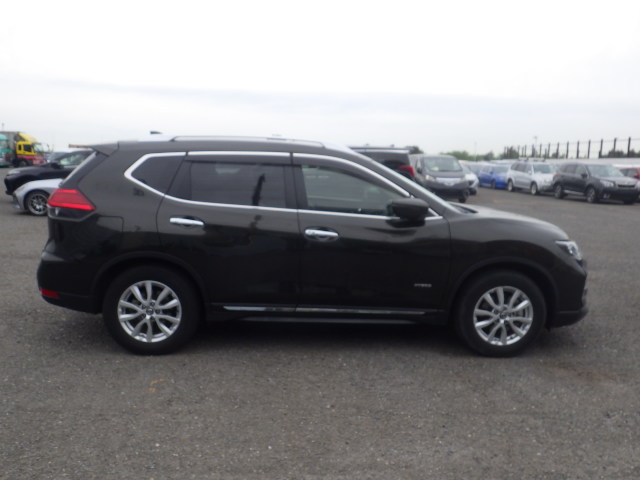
[407, 170]
[73, 199]
[49, 293]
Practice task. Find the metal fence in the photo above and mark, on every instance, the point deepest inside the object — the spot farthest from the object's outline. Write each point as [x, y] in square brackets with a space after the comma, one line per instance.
[617, 148]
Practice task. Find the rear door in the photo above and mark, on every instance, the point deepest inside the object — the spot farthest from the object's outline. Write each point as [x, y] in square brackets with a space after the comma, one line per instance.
[356, 256]
[230, 216]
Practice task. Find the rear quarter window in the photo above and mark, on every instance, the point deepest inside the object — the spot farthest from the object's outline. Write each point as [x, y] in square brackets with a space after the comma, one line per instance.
[158, 171]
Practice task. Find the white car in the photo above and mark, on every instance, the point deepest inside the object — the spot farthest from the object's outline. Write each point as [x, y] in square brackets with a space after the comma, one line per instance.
[471, 177]
[535, 177]
[32, 196]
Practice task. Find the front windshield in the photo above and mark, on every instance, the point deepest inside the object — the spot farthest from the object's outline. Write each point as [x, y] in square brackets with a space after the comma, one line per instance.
[38, 147]
[544, 168]
[605, 171]
[442, 164]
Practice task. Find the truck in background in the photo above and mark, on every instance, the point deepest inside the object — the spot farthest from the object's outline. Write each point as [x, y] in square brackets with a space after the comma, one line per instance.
[21, 149]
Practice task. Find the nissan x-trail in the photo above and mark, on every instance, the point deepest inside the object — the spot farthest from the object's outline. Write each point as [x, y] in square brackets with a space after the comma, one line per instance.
[159, 235]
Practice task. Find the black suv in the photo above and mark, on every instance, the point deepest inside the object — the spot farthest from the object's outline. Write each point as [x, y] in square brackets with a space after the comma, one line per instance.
[157, 235]
[595, 182]
[398, 159]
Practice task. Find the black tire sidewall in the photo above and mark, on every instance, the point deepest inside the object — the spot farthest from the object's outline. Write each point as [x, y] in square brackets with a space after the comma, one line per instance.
[466, 302]
[184, 290]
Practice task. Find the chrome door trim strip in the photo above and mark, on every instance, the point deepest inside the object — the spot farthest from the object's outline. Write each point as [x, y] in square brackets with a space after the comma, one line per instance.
[342, 310]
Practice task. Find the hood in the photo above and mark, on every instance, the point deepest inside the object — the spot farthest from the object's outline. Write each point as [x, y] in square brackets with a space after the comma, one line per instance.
[620, 180]
[509, 224]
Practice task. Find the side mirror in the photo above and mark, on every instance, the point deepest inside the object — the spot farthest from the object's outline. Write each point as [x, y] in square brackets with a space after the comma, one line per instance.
[412, 209]
[584, 175]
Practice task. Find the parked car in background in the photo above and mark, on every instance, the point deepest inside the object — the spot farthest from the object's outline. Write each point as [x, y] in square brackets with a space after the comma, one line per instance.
[472, 178]
[632, 171]
[397, 159]
[442, 175]
[32, 196]
[493, 175]
[60, 167]
[158, 235]
[595, 182]
[536, 177]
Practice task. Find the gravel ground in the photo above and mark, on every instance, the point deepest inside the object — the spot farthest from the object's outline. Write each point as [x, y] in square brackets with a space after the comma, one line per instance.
[289, 401]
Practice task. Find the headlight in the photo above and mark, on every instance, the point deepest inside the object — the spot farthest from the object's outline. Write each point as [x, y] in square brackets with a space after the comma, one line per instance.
[570, 247]
[607, 184]
[462, 179]
[431, 178]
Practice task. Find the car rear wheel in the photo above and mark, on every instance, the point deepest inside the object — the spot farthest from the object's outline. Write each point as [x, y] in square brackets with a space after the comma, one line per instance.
[36, 203]
[151, 310]
[499, 314]
[592, 195]
[463, 196]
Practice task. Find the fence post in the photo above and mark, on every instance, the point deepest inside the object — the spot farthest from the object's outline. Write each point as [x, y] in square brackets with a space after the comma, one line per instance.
[629, 147]
[601, 147]
[578, 149]
[589, 149]
[558, 151]
[567, 151]
[615, 141]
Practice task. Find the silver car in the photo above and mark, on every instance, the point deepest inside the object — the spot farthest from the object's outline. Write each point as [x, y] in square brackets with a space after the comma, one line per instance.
[32, 196]
[535, 177]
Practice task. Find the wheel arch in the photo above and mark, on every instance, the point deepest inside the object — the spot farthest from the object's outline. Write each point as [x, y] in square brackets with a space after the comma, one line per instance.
[542, 280]
[116, 267]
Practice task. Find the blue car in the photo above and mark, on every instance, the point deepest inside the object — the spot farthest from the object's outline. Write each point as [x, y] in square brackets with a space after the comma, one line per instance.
[493, 176]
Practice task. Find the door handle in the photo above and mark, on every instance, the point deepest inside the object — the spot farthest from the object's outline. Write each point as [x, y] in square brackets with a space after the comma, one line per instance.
[321, 235]
[186, 222]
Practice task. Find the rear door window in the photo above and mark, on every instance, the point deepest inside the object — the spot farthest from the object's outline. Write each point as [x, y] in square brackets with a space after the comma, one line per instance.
[232, 180]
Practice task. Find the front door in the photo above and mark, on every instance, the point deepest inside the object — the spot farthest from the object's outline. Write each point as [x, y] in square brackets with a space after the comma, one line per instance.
[356, 256]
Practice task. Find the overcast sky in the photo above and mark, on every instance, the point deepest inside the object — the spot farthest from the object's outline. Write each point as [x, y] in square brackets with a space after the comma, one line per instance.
[445, 75]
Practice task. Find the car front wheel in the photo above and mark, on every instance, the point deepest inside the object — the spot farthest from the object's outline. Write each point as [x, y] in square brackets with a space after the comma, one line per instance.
[36, 203]
[510, 187]
[499, 314]
[558, 191]
[534, 189]
[151, 310]
[592, 195]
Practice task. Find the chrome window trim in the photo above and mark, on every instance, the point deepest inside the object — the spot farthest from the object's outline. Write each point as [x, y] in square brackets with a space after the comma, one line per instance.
[312, 156]
[360, 215]
[231, 205]
[129, 175]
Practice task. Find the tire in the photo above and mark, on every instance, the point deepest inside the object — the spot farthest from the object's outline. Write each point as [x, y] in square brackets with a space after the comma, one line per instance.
[488, 319]
[463, 196]
[132, 316]
[510, 186]
[533, 189]
[592, 195]
[558, 191]
[36, 203]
